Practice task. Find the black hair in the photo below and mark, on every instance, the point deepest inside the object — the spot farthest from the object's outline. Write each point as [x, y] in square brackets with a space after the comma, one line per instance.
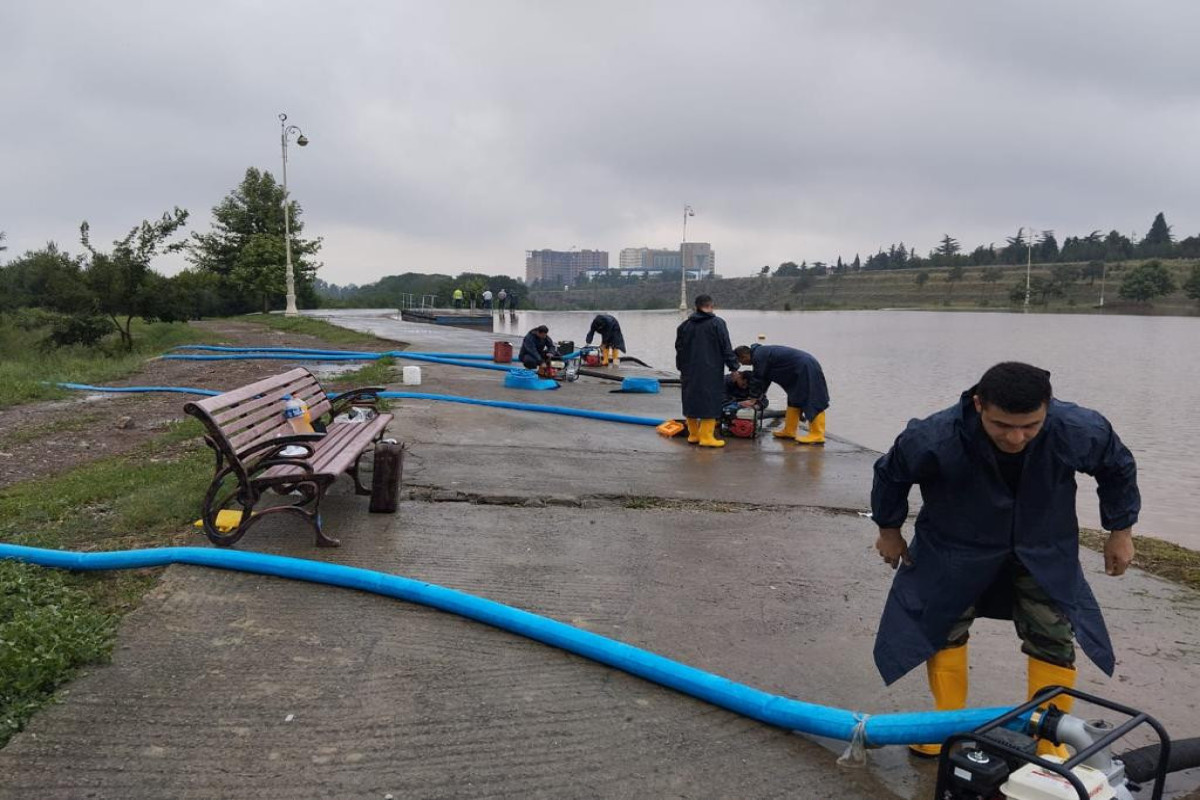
[742, 350]
[1015, 387]
[542, 329]
[703, 300]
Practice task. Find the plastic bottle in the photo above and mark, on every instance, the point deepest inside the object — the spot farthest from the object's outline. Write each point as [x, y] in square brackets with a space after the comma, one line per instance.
[296, 413]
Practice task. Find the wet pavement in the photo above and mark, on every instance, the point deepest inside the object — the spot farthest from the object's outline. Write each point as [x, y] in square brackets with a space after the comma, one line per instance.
[751, 562]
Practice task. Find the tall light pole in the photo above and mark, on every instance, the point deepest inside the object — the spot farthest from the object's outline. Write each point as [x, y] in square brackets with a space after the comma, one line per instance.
[687, 212]
[1028, 267]
[285, 131]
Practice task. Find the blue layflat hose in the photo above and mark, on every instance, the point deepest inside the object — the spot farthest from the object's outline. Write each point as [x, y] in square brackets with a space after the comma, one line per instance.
[565, 411]
[331, 357]
[926, 727]
[317, 351]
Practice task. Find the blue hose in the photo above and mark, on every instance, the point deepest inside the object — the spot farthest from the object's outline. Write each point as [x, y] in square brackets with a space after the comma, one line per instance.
[565, 411]
[316, 351]
[927, 727]
[332, 357]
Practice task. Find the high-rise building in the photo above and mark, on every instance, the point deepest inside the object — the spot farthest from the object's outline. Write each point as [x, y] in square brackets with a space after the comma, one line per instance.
[699, 258]
[562, 266]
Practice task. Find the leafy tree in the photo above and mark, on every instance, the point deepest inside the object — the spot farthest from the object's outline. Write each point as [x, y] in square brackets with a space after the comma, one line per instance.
[787, 269]
[48, 278]
[246, 247]
[122, 281]
[1158, 242]
[1091, 271]
[1117, 247]
[765, 271]
[1191, 286]
[921, 279]
[983, 256]
[1047, 247]
[1016, 250]
[953, 276]
[945, 252]
[1147, 281]
[1188, 248]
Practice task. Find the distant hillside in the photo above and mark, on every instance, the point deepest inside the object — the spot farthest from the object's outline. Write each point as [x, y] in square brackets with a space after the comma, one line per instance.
[1053, 291]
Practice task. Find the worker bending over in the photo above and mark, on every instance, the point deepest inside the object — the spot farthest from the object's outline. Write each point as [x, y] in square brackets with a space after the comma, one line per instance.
[801, 377]
[612, 342]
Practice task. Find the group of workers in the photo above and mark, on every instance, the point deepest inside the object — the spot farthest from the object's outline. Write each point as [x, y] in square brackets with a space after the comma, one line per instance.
[537, 347]
[702, 353]
[997, 534]
[505, 300]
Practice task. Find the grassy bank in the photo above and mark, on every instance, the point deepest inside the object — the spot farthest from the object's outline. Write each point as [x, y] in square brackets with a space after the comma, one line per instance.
[52, 623]
[29, 369]
[1156, 556]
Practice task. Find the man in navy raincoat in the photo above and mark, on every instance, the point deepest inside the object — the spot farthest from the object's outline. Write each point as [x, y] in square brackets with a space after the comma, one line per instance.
[612, 341]
[801, 376]
[536, 347]
[997, 534]
[702, 351]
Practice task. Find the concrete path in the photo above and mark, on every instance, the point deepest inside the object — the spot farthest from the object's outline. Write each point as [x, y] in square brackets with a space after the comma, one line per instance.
[237, 686]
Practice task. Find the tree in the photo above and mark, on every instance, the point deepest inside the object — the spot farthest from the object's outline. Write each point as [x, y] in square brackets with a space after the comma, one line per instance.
[48, 278]
[1091, 271]
[765, 271]
[1147, 281]
[988, 276]
[857, 265]
[1158, 242]
[787, 269]
[1047, 247]
[1117, 247]
[122, 281]
[1191, 286]
[953, 276]
[946, 251]
[921, 279]
[246, 247]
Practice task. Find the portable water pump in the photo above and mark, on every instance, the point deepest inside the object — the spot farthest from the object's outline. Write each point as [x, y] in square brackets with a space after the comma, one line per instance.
[999, 760]
[559, 368]
[741, 422]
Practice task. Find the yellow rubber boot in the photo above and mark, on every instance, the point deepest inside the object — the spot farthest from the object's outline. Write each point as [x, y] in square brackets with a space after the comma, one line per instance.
[816, 431]
[616, 358]
[791, 422]
[1041, 675]
[708, 438]
[603, 356]
[693, 426]
[947, 672]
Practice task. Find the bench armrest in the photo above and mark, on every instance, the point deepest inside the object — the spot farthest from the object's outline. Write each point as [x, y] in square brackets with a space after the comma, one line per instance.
[362, 396]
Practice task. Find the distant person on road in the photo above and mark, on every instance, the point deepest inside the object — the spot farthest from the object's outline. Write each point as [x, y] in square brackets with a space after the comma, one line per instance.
[997, 534]
[702, 351]
[612, 341]
[502, 300]
[798, 374]
[512, 301]
[536, 348]
[487, 299]
[458, 298]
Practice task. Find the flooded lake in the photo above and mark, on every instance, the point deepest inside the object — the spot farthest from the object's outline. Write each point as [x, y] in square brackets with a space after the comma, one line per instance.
[885, 367]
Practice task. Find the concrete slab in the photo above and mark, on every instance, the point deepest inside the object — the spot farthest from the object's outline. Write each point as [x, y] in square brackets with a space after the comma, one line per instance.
[230, 685]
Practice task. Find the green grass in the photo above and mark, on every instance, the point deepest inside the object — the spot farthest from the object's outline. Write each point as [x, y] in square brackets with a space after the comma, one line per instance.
[28, 370]
[375, 373]
[319, 328]
[1156, 556]
[52, 623]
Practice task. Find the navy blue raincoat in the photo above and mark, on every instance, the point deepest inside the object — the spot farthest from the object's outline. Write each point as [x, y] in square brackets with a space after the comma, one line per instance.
[971, 524]
[610, 332]
[702, 351]
[796, 372]
[535, 350]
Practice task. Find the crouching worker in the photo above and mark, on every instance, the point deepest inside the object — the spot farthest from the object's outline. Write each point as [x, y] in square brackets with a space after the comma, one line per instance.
[738, 389]
[801, 377]
[997, 534]
[536, 348]
[612, 342]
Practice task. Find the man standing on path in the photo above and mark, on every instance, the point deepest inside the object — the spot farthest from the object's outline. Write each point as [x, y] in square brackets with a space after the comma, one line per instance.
[487, 299]
[458, 298]
[612, 341]
[997, 534]
[702, 350]
[502, 300]
[801, 376]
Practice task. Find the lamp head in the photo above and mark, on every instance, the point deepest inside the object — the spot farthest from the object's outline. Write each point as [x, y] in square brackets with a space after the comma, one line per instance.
[302, 140]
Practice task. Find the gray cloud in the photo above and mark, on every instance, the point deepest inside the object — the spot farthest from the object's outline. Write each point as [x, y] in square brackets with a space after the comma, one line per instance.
[455, 135]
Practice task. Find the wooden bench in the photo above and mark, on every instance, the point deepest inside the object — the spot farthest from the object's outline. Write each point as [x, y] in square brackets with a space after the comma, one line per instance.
[248, 432]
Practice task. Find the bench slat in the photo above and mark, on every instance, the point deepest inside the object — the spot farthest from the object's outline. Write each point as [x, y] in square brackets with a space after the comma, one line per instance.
[338, 449]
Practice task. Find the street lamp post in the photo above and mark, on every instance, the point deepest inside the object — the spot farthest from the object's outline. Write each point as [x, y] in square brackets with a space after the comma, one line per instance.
[1028, 267]
[285, 131]
[687, 212]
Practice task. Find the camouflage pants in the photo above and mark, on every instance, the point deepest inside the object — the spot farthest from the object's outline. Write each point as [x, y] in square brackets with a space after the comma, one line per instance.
[1046, 633]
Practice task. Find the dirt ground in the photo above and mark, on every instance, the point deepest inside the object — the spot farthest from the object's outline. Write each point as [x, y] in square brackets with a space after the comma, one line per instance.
[41, 439]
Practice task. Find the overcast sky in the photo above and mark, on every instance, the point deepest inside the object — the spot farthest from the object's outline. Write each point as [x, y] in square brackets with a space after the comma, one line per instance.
[448, 136]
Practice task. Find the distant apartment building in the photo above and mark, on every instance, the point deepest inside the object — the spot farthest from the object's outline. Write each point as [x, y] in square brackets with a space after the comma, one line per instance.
[699, 258]
[562, 266]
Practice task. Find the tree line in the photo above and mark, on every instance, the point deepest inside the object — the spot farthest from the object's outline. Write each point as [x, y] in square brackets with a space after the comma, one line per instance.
[237, 266]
